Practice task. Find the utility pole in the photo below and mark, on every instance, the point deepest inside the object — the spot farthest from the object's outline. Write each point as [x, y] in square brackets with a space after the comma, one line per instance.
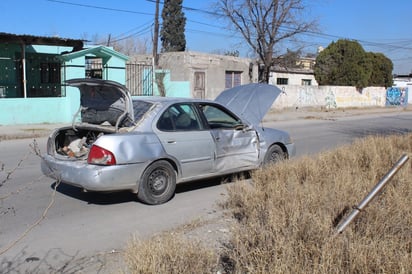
[156, 35]
[108, 40]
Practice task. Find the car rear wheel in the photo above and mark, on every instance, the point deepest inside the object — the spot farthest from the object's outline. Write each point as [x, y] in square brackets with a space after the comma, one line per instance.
[274, 154]
[158, 183]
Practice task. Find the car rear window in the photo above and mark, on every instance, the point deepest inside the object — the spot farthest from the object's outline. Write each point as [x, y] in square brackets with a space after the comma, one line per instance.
[140, 108]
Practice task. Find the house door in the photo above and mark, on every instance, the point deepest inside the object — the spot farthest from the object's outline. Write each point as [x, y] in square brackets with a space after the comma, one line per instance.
[199, 83]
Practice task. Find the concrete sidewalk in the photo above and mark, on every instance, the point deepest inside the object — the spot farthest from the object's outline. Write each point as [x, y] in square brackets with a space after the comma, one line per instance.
[10, 132]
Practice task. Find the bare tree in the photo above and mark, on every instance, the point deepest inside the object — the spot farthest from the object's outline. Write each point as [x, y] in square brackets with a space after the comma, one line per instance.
[265, 23]
[130, 45]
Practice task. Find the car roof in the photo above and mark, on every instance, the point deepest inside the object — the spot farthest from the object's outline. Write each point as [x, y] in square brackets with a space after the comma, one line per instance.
[170, 100]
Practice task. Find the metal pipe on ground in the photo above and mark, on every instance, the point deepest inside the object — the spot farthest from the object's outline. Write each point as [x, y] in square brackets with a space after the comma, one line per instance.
[375, 191]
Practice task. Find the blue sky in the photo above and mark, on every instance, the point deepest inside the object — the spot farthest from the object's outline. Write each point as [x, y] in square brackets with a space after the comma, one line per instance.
[379, 25]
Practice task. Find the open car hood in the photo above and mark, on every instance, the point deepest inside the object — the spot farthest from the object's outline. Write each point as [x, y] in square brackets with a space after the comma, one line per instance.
[251, 101]
[103, 101]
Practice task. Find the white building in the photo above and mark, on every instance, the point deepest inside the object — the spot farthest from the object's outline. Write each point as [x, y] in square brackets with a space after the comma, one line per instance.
[301, 75]
[402, 80]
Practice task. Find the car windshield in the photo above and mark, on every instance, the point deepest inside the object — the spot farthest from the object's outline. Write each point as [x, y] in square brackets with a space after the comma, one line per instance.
[140, 108]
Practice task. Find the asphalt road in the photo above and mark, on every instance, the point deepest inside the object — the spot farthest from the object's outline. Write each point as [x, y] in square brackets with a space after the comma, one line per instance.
[80, 228]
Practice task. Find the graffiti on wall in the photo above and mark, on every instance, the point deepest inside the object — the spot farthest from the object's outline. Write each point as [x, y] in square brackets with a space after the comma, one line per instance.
[306, 97]
[397, 96]
[330, 100]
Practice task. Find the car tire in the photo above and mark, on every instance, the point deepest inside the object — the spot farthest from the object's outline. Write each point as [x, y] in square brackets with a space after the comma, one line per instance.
[274, 154]
[158, 183]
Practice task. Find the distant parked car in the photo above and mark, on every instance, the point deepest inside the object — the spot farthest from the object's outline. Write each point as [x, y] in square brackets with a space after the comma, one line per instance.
[149, 144]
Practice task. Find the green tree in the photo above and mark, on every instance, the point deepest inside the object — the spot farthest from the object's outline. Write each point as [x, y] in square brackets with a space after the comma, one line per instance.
[172, 33]
[343, 63]
[382, 68]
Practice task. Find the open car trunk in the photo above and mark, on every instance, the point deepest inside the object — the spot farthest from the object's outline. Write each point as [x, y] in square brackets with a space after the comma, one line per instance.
[75, 143]
[105, 108]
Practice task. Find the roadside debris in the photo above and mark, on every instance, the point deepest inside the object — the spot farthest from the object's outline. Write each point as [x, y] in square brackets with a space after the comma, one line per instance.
[375, 191]
[76, 148]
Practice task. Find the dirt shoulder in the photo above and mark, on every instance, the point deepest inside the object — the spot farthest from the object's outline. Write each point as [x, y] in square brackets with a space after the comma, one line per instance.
[310, 113]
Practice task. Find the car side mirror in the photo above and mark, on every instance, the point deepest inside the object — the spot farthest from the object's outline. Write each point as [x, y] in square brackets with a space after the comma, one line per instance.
[244, 127]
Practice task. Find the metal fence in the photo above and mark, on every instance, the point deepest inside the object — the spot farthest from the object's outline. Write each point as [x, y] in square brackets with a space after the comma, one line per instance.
[139, 79]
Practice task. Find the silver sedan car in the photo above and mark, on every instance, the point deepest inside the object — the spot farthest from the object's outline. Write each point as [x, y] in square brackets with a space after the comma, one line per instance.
[149, 144]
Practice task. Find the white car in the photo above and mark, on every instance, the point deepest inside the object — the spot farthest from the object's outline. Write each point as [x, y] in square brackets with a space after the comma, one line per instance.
[149, 144]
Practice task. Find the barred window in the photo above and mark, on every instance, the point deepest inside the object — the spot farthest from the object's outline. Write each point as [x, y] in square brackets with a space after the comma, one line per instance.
[50, 73]
[306, 82]
[94, 67]
[233, 79]
[282, 81]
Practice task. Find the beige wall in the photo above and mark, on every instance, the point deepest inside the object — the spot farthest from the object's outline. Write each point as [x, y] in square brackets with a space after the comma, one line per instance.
[330, 96]
[183, 65]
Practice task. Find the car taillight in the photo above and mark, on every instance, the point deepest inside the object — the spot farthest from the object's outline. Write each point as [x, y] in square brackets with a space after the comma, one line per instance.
[100, 156]
[50, 147]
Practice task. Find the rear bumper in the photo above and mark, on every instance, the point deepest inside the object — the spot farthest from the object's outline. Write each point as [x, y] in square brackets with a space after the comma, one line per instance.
[93, 177]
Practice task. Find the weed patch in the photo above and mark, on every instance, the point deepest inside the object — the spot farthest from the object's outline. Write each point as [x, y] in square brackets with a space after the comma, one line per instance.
[284, 221]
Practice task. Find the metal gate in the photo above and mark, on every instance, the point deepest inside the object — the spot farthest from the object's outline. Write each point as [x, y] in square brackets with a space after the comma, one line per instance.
[139, 79]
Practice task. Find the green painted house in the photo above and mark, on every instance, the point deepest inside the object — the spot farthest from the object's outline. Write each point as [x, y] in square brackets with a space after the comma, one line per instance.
[33, 71]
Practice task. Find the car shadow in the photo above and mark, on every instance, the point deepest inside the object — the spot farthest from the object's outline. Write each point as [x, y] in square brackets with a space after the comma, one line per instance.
[109, 198]
[98, 198]
[199, 184]
[362, 133]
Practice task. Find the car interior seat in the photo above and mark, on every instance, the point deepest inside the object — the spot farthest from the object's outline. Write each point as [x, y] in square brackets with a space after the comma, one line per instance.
[183, 121]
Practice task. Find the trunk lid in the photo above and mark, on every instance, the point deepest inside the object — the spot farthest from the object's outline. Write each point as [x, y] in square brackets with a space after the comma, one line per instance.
[103, 102]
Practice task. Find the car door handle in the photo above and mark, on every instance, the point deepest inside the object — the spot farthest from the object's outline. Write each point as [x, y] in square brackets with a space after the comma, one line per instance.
[171, 142]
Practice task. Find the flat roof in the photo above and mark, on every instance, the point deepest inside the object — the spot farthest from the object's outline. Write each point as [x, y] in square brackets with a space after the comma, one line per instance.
[77, 44]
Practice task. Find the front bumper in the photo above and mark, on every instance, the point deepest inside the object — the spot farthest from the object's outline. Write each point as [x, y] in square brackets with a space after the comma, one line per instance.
[291, 148]
[93, 177]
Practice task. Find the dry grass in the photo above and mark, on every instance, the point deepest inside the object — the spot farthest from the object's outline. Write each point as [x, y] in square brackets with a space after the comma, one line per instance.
[286, 219]
[169, 253]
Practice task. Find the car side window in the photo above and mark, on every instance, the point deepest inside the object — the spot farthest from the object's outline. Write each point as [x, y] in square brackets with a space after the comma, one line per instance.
[219, 118]
[179, 117]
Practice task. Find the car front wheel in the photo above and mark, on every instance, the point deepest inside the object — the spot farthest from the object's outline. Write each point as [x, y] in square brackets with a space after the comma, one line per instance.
[158, 183]
[274, 154]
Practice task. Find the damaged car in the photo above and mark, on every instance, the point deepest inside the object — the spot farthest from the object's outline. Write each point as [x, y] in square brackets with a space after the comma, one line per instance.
[149, 144]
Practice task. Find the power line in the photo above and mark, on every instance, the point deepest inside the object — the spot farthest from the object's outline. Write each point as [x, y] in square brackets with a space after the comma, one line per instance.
[135, 30]
[193, 9]
[99, 7]
[140, 32]
[385, 46]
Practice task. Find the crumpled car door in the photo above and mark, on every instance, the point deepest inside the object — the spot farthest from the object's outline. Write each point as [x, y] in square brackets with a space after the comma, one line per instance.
[237, 145]
[235, 149]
